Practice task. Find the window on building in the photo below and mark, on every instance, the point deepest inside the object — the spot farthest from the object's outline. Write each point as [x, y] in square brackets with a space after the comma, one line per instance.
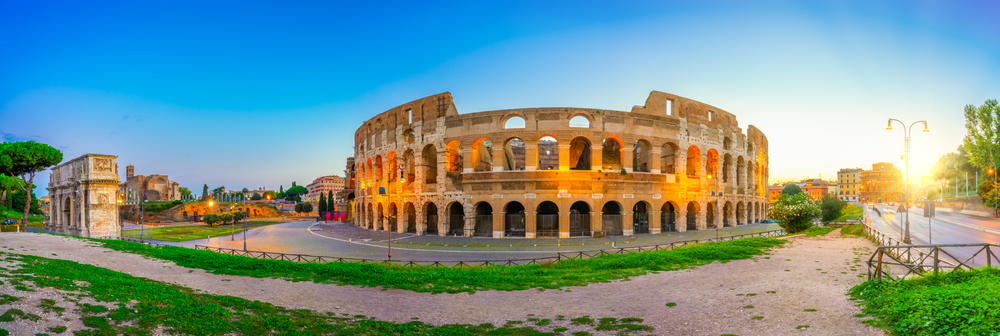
[670, 107]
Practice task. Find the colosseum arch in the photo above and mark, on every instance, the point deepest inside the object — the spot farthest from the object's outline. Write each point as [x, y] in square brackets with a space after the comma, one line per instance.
[547, 220]
[410, 217]
[693, 161]
[712, 164]
[634, 137]
[429, 159]
[741, 212]
[668, 217]
[668, 158]
[393, 218]
[640, 217]
[641, 156]
[548, 153]
[514, 154]
[579, 219]
[727, 213]
[740, 169]
[484, 220]
[431, 220]
[611, 155]
[482, 154]
[580, 121]
[693, 208]
[514, 219]
[453, 156]
[391, 166]
[456, 219]
[710, 214]
[579, 154]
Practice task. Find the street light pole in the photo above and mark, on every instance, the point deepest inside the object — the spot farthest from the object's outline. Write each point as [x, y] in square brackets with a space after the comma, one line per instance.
[906, 158]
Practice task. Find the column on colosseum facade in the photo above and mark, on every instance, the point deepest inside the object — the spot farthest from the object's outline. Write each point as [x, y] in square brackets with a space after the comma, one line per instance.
[530, 156]
[628, 157]
[655, 160]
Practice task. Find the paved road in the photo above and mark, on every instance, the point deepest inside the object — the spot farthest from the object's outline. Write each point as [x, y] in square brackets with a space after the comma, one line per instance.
[941, 230]
[297, 238]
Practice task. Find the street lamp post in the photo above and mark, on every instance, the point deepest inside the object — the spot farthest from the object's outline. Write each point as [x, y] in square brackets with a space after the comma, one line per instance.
[906, 158]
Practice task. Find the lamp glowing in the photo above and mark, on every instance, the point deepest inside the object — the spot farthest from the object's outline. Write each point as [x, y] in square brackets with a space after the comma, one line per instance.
[210, 203]
[889, 126]
[925, 128]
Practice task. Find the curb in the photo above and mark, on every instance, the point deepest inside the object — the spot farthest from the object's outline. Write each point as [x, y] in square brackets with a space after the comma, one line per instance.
[970, 226]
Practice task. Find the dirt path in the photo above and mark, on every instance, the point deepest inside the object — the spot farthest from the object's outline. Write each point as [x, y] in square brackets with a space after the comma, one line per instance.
[806, 274]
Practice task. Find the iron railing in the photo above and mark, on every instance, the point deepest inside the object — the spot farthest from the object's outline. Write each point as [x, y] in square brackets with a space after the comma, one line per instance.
[918, 260]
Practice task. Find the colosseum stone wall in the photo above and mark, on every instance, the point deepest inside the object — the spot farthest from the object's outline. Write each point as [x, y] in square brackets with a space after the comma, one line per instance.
[556, 171]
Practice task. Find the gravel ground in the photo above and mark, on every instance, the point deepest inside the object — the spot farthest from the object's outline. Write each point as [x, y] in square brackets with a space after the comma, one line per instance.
[714, 299]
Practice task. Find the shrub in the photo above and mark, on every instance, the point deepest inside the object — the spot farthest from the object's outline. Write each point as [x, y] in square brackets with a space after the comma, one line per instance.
[794, 212]
[831, 207]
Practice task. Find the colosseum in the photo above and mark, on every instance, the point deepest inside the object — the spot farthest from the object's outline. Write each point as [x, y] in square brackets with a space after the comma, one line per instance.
[672, 164]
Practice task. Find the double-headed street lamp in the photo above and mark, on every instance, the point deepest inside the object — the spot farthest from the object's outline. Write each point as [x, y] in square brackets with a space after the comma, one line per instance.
[906, 159]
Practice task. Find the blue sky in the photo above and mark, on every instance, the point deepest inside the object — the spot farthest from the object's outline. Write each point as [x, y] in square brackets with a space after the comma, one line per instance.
[246, 94]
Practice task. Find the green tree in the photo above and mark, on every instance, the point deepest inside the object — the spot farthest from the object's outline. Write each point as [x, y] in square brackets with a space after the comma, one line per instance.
[294, 192]
[245, 190]
[256, 197]
[225, 217]
[791, 189]
[794, 212]
[204, 193]
[185, 192]
[982, 138]
[322, 204]
[8, 186]
[210, 219]
[831, 207]
[331, 206]
[306, 207]
[239, 216]
[281, 189]
[24, 159]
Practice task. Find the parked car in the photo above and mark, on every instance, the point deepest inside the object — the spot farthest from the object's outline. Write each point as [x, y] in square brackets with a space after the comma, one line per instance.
[9, 222]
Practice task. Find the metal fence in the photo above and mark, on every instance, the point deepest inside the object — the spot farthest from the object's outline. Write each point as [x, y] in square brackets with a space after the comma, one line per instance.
[522, 261]
[612, 225]
[917, 260]
[579, 225]
[514, 225]
[640, 223]
[547, 225]
[484, 226]
[667, 223]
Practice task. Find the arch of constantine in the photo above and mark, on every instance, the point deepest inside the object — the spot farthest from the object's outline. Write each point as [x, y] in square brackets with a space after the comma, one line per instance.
[557, 171]
[84, 197]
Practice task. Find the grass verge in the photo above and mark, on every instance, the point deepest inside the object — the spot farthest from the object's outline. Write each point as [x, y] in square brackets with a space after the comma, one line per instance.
[850, 213]
[444, 279]
[129, 305]
[185, 233]
[814, 231]
[853, 230]
[956, 303]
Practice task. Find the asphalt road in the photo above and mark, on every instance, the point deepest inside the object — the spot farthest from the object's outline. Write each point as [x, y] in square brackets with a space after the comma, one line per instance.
[941, 231]
[297, 238]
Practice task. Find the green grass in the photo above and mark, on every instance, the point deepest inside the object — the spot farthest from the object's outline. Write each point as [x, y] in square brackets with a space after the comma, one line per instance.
[444, 279]
[129, 305]
[850, 213]
[37, 222]
[816, 231]
[957, 303]
[192, 232]
[853, 230]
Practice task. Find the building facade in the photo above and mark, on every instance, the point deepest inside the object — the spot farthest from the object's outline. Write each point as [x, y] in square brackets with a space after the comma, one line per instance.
[849, 181]
[882, 184]
[323, 185]
[583, 172]
[152, 188]
[815, 188]
[84, 197]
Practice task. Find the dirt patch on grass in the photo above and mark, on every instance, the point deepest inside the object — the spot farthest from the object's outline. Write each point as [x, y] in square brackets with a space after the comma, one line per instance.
[802, 284]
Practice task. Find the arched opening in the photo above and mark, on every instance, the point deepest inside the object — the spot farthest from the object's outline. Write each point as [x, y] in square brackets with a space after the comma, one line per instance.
[482, 152]
[514, 220]
[391, 167]
[378, 170]
[727, 213]
[579, 154]
[430, 164]
[740, 167]
[727, 143]
[371, 218]
[409, 138]
[668, 157]
[710, 215]
[513, 152]
[741, 211]
[453, 156]
[411, 218]
[579, 219]
[692, 216]
[693, 161]
[727, 164]
[611, 219]
[67, 216]
[410, 171]
[579, 122]
[456, 219]
[751, 181]
[640, 157]
[640, 218]
[668, 219]
[611, 155]
[484, 220]
[547, 220]
[514, 122]
[712, 164]
[380, 221]
[548, 153]
[350, 208]
[431, 218]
